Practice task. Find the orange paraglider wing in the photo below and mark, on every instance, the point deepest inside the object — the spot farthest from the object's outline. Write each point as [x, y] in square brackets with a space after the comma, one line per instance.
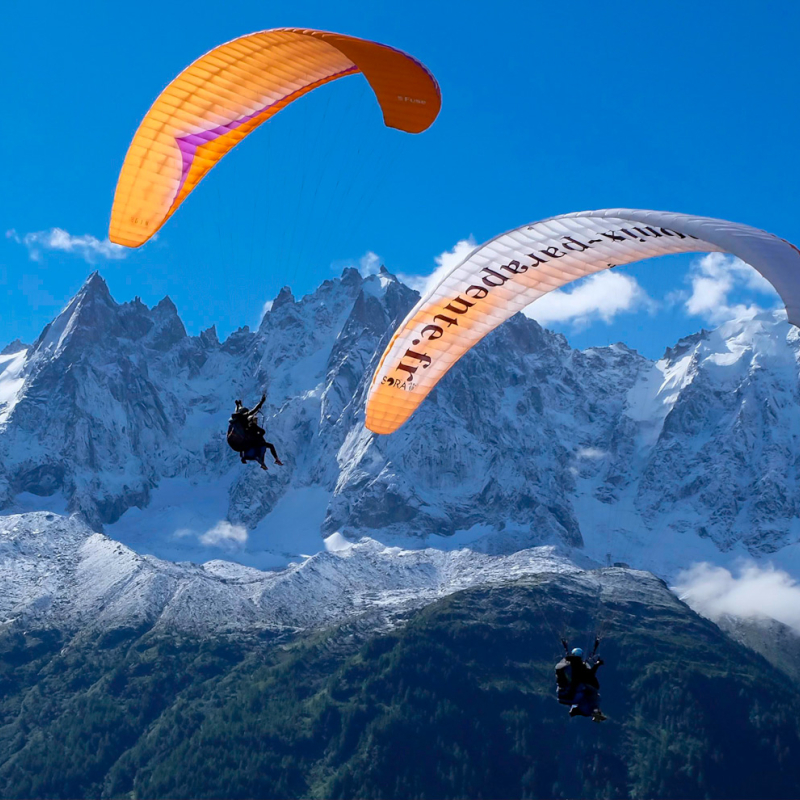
[227, 93]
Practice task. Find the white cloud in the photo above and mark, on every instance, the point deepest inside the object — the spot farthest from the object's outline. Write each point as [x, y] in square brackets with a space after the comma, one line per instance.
[265, 310]
[713, 278]
[223, 534]
[444, 264]
[592, 453]
[599, 297]
[755, 592]
[369, 264]
[87, 247]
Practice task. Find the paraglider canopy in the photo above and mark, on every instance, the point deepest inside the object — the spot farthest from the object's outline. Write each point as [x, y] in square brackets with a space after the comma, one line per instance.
[231, 90]
[512, 270]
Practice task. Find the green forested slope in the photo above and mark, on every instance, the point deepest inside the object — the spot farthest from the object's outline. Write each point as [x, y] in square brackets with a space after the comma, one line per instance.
[457, 702]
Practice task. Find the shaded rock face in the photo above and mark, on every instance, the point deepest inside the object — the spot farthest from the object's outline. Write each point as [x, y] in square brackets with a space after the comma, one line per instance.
[526, 437]
[778, 643]
[727, 454]
[14, 347]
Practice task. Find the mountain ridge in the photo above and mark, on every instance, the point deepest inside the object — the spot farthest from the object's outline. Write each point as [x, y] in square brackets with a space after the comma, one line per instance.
[183, 610]
[118, 415]
[455, 701]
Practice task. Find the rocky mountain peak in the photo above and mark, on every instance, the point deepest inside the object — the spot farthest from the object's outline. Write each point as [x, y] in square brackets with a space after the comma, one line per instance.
[120, 416]
[683, 346]
[90, 314]
[95, 286]
[283, 298]
[17, 346]
[351, 277]
[209, 337]
[165, 308]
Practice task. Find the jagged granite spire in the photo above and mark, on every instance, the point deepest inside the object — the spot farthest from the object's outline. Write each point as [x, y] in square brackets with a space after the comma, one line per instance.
[526, 441]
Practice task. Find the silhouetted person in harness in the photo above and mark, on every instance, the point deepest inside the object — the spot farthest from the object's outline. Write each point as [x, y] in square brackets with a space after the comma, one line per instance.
[577, 684]
[246, 436]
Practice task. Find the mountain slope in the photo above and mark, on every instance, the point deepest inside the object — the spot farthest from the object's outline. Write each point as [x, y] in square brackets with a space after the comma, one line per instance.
[58, 572]
[116, 414]
[381, 616]
[457, 701]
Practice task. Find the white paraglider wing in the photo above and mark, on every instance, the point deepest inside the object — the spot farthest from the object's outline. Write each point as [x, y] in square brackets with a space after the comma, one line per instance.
[509, 272]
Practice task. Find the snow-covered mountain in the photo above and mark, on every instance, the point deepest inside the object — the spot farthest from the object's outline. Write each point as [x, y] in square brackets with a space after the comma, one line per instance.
[117, 416]
[57, 570]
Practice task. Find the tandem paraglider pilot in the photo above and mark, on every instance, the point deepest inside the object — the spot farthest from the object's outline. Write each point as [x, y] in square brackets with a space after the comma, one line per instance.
[577, 684]
[246, 436]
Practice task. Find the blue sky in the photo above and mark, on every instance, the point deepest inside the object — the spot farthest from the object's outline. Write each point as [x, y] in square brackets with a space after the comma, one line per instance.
[547, 109]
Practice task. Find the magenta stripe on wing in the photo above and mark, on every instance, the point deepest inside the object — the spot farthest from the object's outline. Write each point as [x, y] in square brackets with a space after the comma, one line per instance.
[188, 144]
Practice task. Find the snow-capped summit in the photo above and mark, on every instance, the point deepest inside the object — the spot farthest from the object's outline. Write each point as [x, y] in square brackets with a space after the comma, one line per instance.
[726, 454]
[118, 415]
[91, 314]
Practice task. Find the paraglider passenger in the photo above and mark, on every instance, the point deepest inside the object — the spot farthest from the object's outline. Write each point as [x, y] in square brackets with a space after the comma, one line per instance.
[577, 684]
[246, 436]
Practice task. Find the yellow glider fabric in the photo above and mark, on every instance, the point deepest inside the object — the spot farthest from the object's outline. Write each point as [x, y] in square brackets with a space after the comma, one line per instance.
[227, 93]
